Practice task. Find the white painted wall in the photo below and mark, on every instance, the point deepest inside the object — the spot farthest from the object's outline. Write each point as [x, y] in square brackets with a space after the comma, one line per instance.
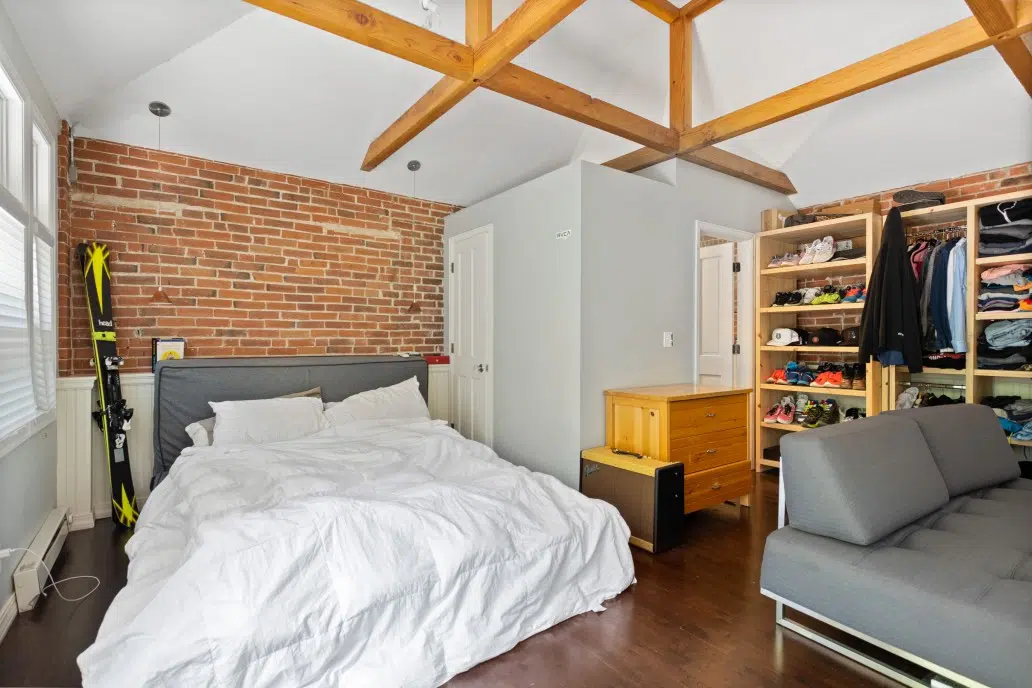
[27, 485]
[536, 360]
[637, 263]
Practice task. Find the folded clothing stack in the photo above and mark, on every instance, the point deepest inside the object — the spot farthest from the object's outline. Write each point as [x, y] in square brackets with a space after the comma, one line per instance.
[1014, 413]
[1005, 288]
[1006, 228]
[951, 361]
[1006, 345]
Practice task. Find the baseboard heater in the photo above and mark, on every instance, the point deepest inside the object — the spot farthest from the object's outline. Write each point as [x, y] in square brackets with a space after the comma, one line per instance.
[30, 577]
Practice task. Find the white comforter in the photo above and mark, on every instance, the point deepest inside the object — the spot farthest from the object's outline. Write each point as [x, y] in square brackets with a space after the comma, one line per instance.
[373, 554]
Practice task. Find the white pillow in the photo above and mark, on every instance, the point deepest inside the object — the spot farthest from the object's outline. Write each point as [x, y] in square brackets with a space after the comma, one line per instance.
[259, 421]
[200, 432]
[402, 400]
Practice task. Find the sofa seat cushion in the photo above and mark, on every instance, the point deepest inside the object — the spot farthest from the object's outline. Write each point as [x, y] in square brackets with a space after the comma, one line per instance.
[862, 480]
[967, 445]
[955, 588]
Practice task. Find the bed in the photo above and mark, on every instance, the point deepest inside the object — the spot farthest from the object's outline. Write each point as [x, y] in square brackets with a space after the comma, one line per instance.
[389, 552]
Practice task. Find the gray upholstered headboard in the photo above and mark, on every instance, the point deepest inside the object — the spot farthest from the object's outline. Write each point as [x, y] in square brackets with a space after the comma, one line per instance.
[182, 389]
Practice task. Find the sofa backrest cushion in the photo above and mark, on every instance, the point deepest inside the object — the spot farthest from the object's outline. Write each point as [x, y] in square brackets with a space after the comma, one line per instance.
[860, 481]
[967, 444]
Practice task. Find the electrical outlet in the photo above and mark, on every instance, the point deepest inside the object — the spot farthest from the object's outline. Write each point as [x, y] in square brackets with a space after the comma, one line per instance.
[668, 340]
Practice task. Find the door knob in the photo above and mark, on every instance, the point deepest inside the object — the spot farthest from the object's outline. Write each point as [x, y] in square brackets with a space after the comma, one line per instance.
[481, 368]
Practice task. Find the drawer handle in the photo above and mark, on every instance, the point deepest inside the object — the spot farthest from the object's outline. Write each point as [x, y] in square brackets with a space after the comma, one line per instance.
[711, 415]
[716, 486]
[711, 451]
[652, 413]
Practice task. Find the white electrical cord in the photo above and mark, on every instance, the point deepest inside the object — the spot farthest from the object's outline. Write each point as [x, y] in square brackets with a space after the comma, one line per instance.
[4, 553]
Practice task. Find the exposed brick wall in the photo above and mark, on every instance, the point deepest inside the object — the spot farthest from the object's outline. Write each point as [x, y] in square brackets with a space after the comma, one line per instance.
[256, 263]
[988, 183]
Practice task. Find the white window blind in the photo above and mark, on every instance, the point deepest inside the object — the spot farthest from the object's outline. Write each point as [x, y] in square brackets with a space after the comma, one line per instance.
[17, 399]
[44, 358]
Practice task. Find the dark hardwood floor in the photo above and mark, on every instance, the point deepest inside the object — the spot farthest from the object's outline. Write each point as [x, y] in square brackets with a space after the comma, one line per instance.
[695, 618]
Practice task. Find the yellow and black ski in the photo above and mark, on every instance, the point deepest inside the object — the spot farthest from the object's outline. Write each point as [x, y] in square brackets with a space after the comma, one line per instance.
[112, 417]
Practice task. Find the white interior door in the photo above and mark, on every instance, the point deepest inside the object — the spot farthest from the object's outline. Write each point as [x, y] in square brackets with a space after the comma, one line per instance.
[716, 315]
[471, 317]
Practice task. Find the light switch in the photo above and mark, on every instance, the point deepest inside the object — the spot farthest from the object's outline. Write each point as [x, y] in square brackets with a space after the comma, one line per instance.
[668, 340]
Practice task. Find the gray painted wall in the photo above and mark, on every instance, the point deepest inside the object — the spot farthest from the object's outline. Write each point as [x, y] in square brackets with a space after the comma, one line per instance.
[536, 362]
[28, 475]
[28, 491]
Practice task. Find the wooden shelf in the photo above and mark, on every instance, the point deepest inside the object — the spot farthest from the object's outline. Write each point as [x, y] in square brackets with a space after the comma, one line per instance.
[828, 268]
[813, 309]
[778, 426]
[850, 227]
[939, 371]
[813, 349]
[769, 463]
[828, 391]
[1019, 258]
[1003, 315]
[1026, 374]
[1019, 443]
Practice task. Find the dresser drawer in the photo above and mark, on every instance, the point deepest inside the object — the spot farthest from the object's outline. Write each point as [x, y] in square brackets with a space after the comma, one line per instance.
[709, 488]
[703, 416]
[710, 450]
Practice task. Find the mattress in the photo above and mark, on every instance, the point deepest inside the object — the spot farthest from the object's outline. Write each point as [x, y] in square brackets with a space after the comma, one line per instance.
[378, 553]
[955, 588]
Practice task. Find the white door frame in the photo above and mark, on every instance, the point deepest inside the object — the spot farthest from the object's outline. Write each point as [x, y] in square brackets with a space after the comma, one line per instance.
[743, 369]
[489, 379]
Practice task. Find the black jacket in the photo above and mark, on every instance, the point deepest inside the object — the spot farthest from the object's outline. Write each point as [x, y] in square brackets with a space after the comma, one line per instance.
[890, 321]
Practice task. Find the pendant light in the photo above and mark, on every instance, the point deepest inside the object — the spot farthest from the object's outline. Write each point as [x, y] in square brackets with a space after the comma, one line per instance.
[160, 111]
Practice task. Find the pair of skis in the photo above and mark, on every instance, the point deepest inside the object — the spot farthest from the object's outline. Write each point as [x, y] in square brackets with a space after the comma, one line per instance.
[113, 416]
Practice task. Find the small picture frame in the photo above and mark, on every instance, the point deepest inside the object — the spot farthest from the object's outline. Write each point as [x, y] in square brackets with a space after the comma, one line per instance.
[167, 349]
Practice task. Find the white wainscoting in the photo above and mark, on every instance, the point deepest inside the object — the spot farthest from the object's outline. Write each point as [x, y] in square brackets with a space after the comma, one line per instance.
[82, 474]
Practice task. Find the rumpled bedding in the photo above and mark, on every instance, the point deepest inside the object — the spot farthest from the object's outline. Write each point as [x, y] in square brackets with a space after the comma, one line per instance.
[378, 553]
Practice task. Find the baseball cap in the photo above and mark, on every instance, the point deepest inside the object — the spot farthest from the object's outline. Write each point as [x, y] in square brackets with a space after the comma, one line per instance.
[784, 336]
[825, 336]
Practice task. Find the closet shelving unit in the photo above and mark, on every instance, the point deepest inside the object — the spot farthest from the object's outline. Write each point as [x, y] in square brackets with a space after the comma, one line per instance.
[977, 383]
[865, 232]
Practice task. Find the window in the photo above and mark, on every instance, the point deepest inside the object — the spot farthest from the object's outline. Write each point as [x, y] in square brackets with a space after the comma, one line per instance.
[17, 400]
[28, 342]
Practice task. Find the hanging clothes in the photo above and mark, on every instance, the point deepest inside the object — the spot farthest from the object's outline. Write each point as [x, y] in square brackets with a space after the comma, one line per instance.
[957, 297]
[890, 324]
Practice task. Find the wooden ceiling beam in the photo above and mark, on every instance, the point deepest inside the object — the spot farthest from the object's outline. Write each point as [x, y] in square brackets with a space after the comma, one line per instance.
[947, 43]
[524, 85]
[712, 158]
[638, 160]
[664, 9]
[527, 23]
[424, 112]
[479, 23]
[694, 8]
[997, 16]
[681, 74]
[379, 30]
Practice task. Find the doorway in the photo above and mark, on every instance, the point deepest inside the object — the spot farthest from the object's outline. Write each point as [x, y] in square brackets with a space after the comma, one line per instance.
[471, 332]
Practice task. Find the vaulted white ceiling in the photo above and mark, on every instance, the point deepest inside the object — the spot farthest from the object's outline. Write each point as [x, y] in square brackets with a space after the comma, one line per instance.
[254, 88]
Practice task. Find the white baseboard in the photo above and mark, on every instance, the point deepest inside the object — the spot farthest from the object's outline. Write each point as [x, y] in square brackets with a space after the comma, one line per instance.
[80, 521]
[7, 615]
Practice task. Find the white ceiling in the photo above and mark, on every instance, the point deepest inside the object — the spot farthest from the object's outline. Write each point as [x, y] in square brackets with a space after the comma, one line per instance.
[253, 88]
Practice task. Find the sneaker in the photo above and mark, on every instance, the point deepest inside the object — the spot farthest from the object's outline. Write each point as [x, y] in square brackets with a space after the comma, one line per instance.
[847, 377]
[790, 259]
[806, 377]
[787, 413]
[852, 294]
[772, 414]
[1025, 305]
[852, 414]
[859, 376]
[780, 299]
[775, 262]
[813, 415]
[829, 413]
[863, 296]
[825, 250]
[792, 373]
[835, 379]
[809, 294]
[829, 294]
[802, 405]
[777, 377]
[793, 298]
[809, 253]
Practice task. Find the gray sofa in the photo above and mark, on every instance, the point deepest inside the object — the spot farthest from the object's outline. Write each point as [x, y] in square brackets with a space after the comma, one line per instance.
[911, 530]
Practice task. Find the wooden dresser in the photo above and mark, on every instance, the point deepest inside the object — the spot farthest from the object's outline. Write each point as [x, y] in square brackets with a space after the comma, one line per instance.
[703, 428]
